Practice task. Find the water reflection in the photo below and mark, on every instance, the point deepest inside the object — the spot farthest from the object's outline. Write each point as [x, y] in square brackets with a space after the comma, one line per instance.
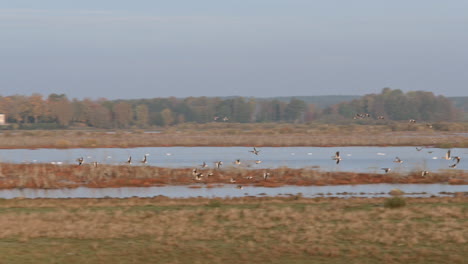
[364, 190]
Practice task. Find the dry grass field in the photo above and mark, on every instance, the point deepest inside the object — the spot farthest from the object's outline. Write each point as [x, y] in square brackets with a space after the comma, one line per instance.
[48, 176]
[227, 134]
[240, 230]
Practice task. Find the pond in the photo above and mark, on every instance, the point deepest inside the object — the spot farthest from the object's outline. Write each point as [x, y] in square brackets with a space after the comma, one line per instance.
[229, 190]
[354, 159]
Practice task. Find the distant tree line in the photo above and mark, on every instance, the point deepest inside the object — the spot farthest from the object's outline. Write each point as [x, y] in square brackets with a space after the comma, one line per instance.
[59, 111]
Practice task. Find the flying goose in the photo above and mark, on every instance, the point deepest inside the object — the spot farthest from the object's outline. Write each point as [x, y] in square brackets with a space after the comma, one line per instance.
[453, 165]
[218, 164]
[447, 155]
[258, 161]
[266, 175]
[80, 161]
[419, 148]
[237, 162]
[95, 164]
[457, 158]
[397, 160]
[386, 169]
[129, 161]
[144, 161]
[337, 157]
[424, 173]
[204, 165]
[254, 151]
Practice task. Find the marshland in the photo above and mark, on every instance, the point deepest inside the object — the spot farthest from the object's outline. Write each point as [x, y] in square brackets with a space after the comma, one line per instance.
[233, 230]
[445, 135]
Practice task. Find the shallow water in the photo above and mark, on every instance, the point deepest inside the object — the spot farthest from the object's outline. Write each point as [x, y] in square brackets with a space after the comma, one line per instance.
[355, 159]
[229, 190]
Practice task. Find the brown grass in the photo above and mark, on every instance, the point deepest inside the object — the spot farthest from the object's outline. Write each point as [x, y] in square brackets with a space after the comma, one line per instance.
[253, 230]
[71, 176]
[227, 134]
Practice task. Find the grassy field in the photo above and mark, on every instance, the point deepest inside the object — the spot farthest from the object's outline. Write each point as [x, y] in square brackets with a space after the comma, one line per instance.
[227, 134]
[48, 176]
[241, 230]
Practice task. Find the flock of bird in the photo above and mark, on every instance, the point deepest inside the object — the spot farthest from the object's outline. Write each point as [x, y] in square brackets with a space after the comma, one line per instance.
[447, 156]
[198, 175]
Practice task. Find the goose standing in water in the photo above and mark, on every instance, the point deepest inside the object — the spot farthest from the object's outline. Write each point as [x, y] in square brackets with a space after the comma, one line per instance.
[337, 157]
[254, 151]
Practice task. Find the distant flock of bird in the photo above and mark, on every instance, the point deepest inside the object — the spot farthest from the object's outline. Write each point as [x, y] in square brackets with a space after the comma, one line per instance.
[380, 117]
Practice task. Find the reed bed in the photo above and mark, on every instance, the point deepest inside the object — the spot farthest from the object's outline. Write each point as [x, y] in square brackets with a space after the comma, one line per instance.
[47, 176]
[242, 135]
[238, 230]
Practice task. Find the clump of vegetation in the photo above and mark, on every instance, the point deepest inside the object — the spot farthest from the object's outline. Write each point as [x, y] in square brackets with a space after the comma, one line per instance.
[215, 203]
[395, 202]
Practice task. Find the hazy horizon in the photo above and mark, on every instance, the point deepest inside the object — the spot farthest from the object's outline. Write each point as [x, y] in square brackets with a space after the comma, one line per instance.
[258, 48]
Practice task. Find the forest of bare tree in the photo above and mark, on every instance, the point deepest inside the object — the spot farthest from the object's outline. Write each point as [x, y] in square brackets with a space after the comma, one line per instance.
[58, 111]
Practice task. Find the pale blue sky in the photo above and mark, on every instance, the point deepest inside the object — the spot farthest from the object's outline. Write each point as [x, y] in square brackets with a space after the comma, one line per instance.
[137, 49]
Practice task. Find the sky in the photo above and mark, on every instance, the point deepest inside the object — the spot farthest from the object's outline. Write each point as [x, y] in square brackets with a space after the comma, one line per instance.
[120, 49]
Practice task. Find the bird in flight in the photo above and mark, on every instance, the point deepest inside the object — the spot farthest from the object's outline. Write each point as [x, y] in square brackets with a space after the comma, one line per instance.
[337, 157]
[386, 170]
[80, 160]
[254, 151]
[397, 160]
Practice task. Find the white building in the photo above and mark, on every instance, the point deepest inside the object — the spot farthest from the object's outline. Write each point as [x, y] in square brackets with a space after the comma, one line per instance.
[2, 119]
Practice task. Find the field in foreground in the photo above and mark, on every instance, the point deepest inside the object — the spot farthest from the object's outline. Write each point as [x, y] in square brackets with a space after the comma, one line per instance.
[241, 230]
